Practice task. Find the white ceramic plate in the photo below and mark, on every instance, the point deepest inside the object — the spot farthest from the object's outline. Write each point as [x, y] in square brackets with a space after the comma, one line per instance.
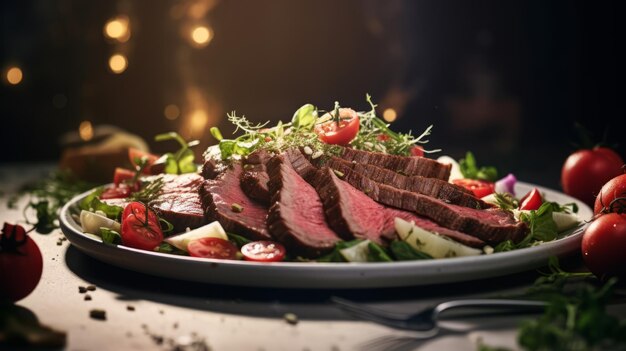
[329, 275]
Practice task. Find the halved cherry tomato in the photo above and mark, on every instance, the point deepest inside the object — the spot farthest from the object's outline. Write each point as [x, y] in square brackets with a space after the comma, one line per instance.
[531, 201]
[417, 150]
[263, 251]
[122, 174]
[480, 188]
[339, 132]
[212, 248]
[136, 154]
[116, 192]
[139, 208]
[141, 233]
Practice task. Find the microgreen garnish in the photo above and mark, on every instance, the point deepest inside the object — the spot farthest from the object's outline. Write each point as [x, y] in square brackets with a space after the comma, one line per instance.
[181, 161]
[470, 169]
[149, 191]
[47, 196]
[506, 201]
[235, 207]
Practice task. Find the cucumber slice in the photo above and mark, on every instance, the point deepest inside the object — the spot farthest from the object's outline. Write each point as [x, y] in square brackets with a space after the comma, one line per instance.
[356, 253]
[431, 243]
[91, 222]
[211, 230]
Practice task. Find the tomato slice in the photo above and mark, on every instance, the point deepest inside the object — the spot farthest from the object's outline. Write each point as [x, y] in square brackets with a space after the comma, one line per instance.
[417, 150]
[531, 201]
[122, 174]
[116, 192]
[342, 132]
[135, 154]
[263, 251]
[480, 188]
[139, 208]
[212, 248]
[140, 233]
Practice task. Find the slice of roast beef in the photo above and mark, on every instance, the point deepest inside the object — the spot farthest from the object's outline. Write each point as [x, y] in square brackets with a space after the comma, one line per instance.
[179, 202]
[224, 201]
[213, 164]
[296, 218]
[254, 177]
[410, 166]
[433, 187]
[490, 225]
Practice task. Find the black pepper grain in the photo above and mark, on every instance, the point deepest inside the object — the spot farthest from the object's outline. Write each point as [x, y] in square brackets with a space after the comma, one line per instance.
[98, 314]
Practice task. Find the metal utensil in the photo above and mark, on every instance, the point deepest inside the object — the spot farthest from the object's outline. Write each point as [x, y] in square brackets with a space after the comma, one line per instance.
[426, 320]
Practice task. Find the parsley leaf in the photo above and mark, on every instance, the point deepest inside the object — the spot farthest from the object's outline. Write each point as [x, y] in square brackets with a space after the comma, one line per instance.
[542, 226]
[181, 161]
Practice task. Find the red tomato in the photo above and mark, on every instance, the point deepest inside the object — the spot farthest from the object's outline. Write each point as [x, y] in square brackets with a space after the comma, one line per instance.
[138, 208]
[417, 150]
[20, 263]
[342, 132]
[480, 188]
[585, 171]
[212, 248]
[604, 244]
[116, 192]
[140, 233]
[136, 154]
[263, 251]
[121, 175]
[615, 188]
[531, 201]
[383, 137]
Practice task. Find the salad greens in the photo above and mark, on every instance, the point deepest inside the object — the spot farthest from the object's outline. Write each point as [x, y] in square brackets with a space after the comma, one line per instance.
[181, 161]
[92, 203]
[470, 169]
[398, 250]
[374, 134]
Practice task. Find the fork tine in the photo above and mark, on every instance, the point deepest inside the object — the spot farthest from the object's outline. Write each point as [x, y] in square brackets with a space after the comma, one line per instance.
[371, 314]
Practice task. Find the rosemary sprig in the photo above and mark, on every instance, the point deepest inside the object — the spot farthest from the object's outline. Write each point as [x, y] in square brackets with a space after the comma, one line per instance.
[149, 191]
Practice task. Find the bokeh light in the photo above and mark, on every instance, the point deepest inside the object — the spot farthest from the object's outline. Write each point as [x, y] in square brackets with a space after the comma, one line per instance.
[201, 35]
[390, 115]
[118, 63]
[198, 121]
[171, 112]
[85, 130]
[118, 28]
[14, 75]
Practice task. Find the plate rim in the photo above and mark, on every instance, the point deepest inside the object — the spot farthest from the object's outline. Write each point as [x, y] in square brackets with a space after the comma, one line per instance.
[337, 275]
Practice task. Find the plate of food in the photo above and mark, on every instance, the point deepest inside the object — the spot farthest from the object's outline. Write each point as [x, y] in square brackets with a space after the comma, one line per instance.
[327, 200]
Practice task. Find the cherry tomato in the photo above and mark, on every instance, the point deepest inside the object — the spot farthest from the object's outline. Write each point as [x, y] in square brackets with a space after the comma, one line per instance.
[585, 171]
[263, 251]
[121, 175]
[20, 263]
[116, 192]
[342, 132]
[480, 188]
[417, 150]
[383, 137]
[136, 154]
[531, 201]
[141, 233]
[212, 248]
[604, 244]
[139, 208]
[614, 188]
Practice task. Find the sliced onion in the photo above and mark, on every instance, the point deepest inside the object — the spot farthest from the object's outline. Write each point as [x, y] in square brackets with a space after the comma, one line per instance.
[506, 184]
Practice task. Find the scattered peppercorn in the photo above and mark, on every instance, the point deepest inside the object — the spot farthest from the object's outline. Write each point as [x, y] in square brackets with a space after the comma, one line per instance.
[82, 289]
[98, 314]
[91, 287]
[131, 308]
[291, 318]
[87, 297]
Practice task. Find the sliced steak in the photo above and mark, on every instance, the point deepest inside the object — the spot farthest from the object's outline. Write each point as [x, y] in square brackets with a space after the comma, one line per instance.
[432, 187]
[213, 164]
[352, 214]
[490, 225]
[254, 177]
[179, 201]
[296, 217]
[410, 166]
[349, 210]
[221, 200]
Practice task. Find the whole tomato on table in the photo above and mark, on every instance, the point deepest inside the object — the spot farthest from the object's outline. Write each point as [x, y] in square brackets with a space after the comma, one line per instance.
[20, 263]
[585, 171]
[612, 196]
[604, 246]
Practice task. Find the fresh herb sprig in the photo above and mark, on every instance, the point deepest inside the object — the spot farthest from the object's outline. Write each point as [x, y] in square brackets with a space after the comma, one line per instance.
[47, 196]
[469, 169]
[181, 161]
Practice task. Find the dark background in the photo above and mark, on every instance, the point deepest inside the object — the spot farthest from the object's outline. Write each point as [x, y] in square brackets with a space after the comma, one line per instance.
[505, 79]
